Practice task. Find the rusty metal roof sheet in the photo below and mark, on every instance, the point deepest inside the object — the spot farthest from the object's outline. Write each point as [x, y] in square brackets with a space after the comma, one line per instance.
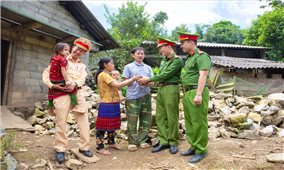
[245, 63]
[215, 45]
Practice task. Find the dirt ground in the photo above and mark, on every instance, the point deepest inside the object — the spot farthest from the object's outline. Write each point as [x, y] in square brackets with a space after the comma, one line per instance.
[223, 154]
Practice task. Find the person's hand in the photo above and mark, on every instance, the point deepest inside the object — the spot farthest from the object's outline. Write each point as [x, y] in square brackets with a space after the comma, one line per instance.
[121, 98]
[70, 86]
[149, 84]
[197, 100]
[59, 87]
[135, 78]
[144, 80]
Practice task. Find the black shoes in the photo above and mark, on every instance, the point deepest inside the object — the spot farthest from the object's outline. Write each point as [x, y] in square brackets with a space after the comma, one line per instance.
[86, 153]
[197, 157]
[173, 149]
[159, 148]
[188, 152]
[60, 157]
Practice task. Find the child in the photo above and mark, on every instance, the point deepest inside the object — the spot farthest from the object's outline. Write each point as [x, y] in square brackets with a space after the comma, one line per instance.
[108, 119]
[138, 101]
[58, 75]
[116, 75]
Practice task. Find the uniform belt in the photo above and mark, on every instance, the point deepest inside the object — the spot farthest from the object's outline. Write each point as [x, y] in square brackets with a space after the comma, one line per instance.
[168, 83]
[191, 87]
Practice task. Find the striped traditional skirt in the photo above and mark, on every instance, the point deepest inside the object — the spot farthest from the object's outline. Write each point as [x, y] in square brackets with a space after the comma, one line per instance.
[108, 117]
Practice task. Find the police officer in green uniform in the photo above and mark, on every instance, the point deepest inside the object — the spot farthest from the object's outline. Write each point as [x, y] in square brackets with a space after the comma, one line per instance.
[167, 112]
[196, 96]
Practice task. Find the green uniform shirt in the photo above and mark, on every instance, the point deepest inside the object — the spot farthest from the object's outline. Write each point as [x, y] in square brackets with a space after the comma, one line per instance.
[194, 63]
[170, 70]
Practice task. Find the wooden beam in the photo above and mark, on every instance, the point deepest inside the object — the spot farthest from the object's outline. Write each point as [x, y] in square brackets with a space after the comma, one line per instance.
[26, 27]
[68, 39]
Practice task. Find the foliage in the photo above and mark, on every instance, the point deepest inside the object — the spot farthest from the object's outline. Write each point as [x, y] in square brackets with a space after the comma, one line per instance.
[7, 143]
[124, 91]
[268, 30]
[130, 26]
[157, 24]
[201, 30]
[183, 28]
[120, 58]
[224, 32]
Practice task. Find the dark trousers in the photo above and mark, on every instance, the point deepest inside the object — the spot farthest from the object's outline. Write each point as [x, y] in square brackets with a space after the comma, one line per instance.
[100, 138]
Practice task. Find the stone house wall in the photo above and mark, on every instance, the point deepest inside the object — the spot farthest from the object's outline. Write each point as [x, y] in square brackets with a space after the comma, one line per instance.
[31, 51]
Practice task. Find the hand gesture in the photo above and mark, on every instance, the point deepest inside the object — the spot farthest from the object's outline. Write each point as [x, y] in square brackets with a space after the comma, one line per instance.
[197, 100]
[144, 80]
[135, 78]
[70, 86]
[59, 87]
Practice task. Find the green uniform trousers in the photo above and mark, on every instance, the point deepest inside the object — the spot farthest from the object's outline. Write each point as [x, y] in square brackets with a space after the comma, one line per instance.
[138, 109]
[167, 114]
[196, 123]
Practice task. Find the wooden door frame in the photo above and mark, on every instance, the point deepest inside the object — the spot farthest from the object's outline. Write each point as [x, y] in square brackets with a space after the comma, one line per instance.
[7, 73]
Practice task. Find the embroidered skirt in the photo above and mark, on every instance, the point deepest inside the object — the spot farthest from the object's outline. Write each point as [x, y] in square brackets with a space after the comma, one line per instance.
[108, 117]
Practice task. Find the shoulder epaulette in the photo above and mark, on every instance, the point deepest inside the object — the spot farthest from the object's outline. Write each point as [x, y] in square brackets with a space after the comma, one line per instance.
[201, 52]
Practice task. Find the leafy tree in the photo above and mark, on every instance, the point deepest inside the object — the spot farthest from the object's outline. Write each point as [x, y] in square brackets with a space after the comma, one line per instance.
[224, 32]
[201, 29]
[157, 24]
[183, 27]
[130, 26]
[268, 30]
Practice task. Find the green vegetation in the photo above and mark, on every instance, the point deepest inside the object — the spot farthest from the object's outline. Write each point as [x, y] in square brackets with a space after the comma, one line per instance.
[224, 32]
[132, 25]
[268, 30]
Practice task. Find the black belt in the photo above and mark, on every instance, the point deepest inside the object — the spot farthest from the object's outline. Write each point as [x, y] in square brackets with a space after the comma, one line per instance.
[168, 83]
[190, 87]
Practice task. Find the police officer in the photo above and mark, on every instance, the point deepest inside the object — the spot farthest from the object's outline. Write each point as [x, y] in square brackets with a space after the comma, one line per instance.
[196, 96]
[76, 72]
[167, 112]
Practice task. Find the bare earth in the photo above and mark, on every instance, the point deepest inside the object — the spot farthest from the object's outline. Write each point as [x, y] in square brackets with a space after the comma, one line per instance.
[223, 154]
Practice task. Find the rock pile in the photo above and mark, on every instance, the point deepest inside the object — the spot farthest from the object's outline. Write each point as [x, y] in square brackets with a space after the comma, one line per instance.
[228, 116]
[245, 117]
[44, 122]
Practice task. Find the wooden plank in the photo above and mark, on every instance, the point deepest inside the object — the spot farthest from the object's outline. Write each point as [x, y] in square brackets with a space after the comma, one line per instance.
[26, 27]
[68, 39]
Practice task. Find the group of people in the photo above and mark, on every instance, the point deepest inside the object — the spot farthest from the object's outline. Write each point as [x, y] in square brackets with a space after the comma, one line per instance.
[66, 75]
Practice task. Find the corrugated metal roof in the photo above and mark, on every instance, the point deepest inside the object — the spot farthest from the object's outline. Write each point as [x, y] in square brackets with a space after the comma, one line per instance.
[245, 63]
[215, 45]
[93, 26]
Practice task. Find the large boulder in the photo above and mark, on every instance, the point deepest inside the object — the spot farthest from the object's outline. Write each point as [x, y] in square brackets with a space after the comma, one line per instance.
[277, 97]
[235, 119]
